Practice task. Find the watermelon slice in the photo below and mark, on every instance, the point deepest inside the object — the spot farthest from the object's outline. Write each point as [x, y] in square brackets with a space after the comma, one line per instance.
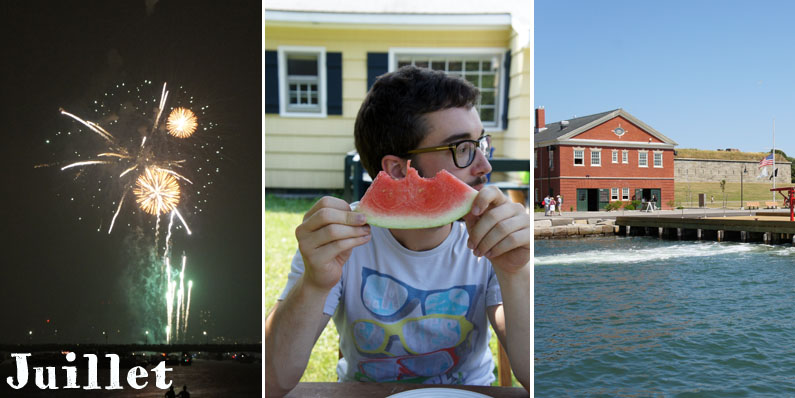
[415, 202]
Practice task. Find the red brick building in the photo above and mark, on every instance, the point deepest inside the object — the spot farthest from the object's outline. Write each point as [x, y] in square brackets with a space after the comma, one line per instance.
[597, 159]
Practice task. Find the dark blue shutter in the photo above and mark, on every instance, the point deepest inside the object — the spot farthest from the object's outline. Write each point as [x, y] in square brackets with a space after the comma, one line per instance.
[507, 74]
[271, 82]
[377, 65]
[334, 83]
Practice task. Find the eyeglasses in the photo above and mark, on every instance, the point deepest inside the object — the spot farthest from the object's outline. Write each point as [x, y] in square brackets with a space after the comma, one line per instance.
[418, 335]
[463, 151]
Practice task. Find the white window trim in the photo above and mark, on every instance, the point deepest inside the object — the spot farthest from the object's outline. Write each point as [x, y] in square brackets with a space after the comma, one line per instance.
[599, 151]
[662, 160]
[625, 156]
[612, 190]
[624, 197]
[573, 157]
[321, 84]
[647, 159]
[614, 156]
[499, 52]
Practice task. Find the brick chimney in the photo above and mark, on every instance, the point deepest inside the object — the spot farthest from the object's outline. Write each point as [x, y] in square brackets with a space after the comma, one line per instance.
[540, 123]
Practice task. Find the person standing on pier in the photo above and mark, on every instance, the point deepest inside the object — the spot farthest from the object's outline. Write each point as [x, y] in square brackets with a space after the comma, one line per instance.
[546, 206]
[652, 203]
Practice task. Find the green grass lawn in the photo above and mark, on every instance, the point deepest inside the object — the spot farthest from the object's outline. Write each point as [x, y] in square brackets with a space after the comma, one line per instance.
[282, 216]
[686, 194]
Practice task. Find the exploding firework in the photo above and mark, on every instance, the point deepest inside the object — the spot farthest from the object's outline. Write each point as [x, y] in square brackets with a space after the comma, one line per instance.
[142, 155]
[156, 191]
[181, 123]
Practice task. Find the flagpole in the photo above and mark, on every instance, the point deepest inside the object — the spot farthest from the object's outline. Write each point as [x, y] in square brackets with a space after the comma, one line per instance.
[774, 159]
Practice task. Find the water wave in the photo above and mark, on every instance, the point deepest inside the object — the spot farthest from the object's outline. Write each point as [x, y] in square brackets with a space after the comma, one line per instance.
[632, 255]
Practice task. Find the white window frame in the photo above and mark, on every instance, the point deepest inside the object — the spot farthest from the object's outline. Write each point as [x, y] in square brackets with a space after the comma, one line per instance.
[613, 194]
[498, 52]
[615, 156]
[582, 157]
[654, 161]
[283, 52]
[598, 152]
[624, 193]
[625, 156]
[645, 162]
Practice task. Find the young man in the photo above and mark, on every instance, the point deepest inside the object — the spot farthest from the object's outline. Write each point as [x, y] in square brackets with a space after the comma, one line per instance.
[410, 305]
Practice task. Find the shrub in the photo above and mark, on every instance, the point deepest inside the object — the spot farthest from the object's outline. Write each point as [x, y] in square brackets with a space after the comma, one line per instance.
[629, 206]
[614, 205]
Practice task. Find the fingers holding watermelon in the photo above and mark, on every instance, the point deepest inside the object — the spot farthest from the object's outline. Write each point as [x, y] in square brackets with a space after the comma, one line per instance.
[499, 230]
[329, 232]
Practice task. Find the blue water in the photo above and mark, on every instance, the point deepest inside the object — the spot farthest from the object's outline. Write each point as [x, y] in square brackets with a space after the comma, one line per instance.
[643, 317]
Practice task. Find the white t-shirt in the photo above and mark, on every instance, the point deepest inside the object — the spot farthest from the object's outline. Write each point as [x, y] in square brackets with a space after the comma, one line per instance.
[412, 316]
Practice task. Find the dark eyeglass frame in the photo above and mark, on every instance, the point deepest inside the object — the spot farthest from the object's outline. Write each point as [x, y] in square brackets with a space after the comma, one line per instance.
[454, 146]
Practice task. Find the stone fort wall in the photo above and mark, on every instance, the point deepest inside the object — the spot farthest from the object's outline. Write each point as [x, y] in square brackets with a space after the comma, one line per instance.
[713, 170]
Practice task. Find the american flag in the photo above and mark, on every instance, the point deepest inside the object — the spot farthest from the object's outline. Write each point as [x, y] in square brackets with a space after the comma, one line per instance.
[767, 161]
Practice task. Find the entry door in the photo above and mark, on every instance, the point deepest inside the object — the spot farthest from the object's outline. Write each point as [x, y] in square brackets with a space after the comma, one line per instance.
[582, 199]
[638, 194]
[604, 197]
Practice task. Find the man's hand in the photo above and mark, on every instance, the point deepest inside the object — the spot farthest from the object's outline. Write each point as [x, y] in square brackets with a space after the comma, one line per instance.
[326, 237]
[499, 230]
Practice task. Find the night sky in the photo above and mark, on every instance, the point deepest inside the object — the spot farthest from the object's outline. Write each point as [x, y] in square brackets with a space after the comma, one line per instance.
[55, 264]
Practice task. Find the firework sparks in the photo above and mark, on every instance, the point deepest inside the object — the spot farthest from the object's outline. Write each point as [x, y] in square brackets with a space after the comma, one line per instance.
[181, 123]
[156, 191]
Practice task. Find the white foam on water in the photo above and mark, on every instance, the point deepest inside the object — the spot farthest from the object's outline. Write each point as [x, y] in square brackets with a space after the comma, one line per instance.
[633, 255]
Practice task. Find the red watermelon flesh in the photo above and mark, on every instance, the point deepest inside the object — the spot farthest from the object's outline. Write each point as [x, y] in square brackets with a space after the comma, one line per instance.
[415, 202]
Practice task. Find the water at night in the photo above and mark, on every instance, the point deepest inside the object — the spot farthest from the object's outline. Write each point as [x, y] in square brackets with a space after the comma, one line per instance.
[646, 317]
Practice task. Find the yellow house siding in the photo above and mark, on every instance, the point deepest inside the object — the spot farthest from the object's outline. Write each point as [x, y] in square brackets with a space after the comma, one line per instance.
[309, 153]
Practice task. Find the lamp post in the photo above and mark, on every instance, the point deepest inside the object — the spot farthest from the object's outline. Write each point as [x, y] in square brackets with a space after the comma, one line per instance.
[106, 337]
[30, 336]
[742, 203]
[205, 337]
[147, 337]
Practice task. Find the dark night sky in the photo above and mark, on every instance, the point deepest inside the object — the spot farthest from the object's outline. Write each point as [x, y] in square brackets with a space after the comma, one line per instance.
[65, 53]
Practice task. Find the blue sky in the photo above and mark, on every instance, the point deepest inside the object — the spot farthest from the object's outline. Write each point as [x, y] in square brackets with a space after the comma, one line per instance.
[707, 74]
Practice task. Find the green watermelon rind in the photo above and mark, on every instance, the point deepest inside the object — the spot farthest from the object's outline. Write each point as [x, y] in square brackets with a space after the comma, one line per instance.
[411, 222]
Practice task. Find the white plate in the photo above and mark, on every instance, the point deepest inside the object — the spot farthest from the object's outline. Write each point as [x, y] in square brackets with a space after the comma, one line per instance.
[433, 392]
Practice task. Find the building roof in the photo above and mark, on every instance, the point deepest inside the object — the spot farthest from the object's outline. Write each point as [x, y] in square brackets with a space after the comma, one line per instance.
[564, 130]
[456, 14]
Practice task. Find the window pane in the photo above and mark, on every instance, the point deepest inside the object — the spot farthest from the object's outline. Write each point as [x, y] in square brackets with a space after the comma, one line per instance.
[473, 79]
[487, 115]
[472, 65]
[403, 63]
[293, 98]
[487, 98]
[489, 81]
[454, 66]
[421, 64]
[302, 65]
[437, 65]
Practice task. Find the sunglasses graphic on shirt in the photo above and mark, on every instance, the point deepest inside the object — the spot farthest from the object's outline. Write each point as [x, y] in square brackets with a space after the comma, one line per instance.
[390, 299]
[410, 367]
[417, 335]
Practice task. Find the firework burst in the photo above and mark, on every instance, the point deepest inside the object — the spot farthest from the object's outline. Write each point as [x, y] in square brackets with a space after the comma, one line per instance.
[156, 191]
[181, 123]
[140, 154]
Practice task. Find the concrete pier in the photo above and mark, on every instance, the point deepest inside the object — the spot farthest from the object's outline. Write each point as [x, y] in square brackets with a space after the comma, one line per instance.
[766, 229]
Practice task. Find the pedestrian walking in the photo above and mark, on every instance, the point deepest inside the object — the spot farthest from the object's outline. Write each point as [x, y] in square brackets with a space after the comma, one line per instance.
[559, 201]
